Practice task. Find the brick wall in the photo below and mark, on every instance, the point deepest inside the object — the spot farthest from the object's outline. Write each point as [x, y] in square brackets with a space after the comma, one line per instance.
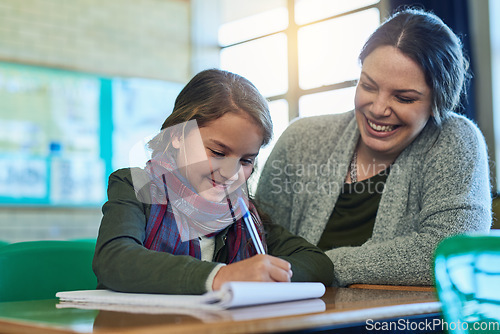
[145, 38]
[116, 38]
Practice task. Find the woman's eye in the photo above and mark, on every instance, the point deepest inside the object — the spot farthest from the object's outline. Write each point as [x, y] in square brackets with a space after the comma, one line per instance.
[403, 99]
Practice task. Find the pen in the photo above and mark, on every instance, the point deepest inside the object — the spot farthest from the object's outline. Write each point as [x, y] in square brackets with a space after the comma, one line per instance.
[247, 218]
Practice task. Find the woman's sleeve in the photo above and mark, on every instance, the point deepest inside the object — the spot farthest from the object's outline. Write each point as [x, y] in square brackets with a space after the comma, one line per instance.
[309, 263]
[122, 263]
[454, 198]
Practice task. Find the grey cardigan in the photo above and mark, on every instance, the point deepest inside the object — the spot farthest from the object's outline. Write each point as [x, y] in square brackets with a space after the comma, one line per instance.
[438, 186]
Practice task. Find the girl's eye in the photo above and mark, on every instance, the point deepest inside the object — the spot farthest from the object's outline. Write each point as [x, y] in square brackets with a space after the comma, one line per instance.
[216, 154]
[246, 162]
[403, 99]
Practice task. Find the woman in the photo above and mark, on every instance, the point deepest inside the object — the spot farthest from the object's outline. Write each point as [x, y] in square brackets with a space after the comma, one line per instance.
[378, 188]
[175, 226]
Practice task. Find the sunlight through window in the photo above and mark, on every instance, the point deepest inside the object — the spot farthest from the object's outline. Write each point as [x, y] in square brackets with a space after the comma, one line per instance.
[263, 62]
[253, 26]
[307, 11]
[305, 67]
[329, 102]
[327, 54]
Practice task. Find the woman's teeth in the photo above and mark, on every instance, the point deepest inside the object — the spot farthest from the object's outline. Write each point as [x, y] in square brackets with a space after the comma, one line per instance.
[381, 128]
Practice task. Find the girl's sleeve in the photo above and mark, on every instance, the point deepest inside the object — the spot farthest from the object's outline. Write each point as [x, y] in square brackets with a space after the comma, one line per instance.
[122, 263]
[309, 263]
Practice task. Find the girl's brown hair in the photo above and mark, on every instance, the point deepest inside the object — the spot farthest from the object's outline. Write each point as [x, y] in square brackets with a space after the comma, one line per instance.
[211, 94]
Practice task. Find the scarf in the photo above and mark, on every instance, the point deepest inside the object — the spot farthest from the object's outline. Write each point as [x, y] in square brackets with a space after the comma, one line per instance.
[179, 216]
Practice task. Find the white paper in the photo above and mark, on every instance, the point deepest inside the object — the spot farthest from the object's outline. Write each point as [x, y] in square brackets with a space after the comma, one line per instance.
[231, 295]
[253, 293]
[306, 306]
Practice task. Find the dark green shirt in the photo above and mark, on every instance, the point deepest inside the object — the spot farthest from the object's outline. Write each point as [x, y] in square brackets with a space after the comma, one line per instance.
[351, 222]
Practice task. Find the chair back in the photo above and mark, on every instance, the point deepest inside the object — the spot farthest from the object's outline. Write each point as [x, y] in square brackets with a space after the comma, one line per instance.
[38, 269]
[467, 277]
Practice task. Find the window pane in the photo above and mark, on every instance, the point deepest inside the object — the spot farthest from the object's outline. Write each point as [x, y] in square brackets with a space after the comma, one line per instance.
[263, 62]
[253, 26]
[279, 115]
[331, 102]
[233, 10]
[327, 54]
[307, 11]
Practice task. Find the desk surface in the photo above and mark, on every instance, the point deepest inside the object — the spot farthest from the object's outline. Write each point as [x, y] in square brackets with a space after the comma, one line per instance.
[339, 307]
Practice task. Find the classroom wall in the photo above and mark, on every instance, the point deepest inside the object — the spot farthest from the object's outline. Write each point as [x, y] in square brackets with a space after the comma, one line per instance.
[145, 38]
[483, 73]
[115, 38]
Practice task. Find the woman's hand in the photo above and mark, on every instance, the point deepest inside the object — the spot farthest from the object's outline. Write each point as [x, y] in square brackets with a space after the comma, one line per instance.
[258, 268]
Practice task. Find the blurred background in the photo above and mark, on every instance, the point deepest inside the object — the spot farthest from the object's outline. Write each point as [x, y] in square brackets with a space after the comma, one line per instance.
[85, 83]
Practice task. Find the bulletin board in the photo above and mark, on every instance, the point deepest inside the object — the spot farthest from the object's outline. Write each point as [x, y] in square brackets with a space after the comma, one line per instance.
[63, 132]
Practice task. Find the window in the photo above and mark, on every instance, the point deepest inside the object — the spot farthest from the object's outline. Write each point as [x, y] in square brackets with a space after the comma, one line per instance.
[301, 54]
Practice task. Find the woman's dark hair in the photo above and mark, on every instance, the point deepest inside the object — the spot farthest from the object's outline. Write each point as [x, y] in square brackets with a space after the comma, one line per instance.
[209, 95]
[427, 40]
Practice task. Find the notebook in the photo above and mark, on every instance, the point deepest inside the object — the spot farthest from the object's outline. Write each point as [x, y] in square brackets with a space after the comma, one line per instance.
[231, 295]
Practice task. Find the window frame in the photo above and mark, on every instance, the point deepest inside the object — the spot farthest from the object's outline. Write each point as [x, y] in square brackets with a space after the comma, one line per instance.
[295, 92]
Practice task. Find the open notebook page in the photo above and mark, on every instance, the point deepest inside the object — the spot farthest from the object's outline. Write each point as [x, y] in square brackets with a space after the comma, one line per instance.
[232, 294]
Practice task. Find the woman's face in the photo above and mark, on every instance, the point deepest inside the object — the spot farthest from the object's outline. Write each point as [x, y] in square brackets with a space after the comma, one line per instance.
[393, 102]
[219, 157]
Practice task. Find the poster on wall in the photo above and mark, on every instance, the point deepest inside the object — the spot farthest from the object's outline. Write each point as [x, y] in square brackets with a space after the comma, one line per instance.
[73, 181]
[63, 132]
[48, 116]
[23, 177]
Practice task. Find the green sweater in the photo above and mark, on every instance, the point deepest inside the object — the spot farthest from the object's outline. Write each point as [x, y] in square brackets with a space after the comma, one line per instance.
[122, 263]
[352, 220]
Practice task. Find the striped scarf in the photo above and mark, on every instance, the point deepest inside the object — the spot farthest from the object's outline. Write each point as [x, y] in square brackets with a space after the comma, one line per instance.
[179, 215]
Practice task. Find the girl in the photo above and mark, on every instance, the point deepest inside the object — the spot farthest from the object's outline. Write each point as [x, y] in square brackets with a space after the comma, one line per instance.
[175, 226]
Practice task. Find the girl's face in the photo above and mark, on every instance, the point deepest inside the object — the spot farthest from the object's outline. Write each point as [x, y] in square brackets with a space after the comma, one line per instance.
[393, 102]
[219, 157]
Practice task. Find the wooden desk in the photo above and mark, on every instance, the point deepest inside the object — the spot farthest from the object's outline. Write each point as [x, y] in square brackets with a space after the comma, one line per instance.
[339, 308]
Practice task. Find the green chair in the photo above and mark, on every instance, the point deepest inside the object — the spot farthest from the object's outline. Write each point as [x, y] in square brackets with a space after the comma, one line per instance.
[94, 240]
[3, 243]
[38, 269]
[467, 277]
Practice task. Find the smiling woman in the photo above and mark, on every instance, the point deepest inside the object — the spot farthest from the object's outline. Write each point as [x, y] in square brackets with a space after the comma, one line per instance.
[406, 171]
[393, 105]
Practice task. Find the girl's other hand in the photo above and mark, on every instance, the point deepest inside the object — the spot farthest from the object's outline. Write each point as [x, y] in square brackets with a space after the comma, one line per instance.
[258, 268]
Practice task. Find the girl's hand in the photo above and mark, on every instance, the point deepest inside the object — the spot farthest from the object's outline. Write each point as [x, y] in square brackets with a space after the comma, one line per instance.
[258, 268]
